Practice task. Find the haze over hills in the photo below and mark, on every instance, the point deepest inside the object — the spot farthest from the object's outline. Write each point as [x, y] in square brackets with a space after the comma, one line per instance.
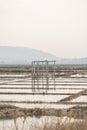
[23, 55]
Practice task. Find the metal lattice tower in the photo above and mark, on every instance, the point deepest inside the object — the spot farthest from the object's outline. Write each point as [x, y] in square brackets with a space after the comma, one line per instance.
[43, 72]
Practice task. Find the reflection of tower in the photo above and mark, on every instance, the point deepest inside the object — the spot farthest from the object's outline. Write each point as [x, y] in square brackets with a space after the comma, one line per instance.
[47, 75]
[42, 73]
[38, 75]
[54, 74]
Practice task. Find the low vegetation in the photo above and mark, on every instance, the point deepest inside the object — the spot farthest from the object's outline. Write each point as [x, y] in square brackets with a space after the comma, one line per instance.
[47, 124]
[26, 122]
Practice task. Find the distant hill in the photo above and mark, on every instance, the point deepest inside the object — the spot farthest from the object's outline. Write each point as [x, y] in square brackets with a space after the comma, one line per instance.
[23, 55]
[73, 61]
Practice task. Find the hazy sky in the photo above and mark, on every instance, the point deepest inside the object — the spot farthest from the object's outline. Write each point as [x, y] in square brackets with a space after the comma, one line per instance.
[55, 26]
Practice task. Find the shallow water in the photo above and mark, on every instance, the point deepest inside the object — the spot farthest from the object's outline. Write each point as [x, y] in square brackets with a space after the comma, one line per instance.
[22, 86]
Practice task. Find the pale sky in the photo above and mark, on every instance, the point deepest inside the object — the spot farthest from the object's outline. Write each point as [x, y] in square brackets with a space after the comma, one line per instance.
[55, 26]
